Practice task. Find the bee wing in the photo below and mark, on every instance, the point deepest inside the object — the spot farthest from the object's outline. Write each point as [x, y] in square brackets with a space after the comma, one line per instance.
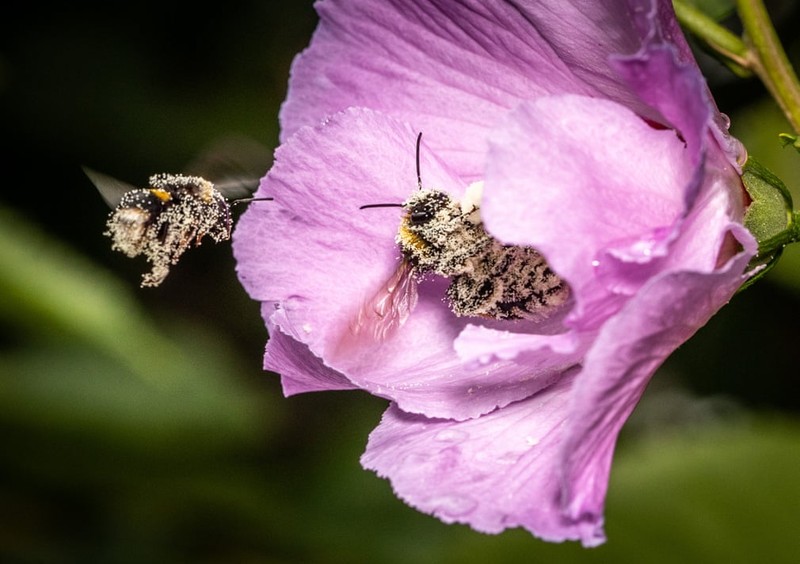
[234, 164]
[109, 187]
[391, 305]
[383, 313]
[236, 189]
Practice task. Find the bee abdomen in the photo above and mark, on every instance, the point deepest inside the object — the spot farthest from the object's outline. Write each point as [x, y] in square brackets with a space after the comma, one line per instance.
[507, 283]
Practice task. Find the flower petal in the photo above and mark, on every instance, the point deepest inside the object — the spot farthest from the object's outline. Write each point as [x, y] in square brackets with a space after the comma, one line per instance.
[543, 463]
[498, 471]
[663, 314]
[560, 177]
[299, 369]
[319, 258]
[452, 69]
[602, 149]
[478, 343]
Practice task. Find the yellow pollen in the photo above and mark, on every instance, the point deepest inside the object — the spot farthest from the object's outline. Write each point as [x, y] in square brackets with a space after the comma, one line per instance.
[162, 195]
[410, 238]
[206, 193]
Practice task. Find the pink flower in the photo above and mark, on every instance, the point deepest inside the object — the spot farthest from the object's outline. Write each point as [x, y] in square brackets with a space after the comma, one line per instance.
[598, 145]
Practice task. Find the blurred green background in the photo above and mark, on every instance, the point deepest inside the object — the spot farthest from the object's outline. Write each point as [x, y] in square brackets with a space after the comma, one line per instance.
[136, 424]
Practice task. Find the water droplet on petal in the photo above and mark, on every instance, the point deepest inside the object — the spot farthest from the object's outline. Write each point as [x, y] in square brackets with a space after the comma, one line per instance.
[641, 250]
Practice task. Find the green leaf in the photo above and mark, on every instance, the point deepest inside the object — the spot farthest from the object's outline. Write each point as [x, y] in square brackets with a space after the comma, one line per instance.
[790, 140]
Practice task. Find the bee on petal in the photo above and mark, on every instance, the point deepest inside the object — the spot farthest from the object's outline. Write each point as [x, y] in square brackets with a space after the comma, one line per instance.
[441, 235]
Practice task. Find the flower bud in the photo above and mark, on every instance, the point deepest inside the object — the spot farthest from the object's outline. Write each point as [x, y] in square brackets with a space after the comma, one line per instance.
[769, 217]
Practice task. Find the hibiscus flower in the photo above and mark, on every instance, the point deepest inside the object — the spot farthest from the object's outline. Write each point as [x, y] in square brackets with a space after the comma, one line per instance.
[598, 145]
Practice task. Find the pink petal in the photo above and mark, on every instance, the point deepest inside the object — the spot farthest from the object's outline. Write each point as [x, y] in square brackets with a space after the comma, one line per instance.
[633, 344]
[561, 177]
[319, 257]
[543, 463]
[499, 471]
[299, 369]
[453, 69]
[602, 149]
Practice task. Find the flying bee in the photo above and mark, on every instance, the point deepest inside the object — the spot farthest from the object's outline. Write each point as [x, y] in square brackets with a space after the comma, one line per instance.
[488, 279]
[163, 220]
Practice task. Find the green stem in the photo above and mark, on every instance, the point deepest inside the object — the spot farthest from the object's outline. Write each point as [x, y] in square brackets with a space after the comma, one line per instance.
[768, 59]
[718, 38]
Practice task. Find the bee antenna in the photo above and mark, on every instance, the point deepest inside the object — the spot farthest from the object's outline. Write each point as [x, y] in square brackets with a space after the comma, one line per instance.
[419, 182]
[419, 175]
[380, 206]
[248, 200]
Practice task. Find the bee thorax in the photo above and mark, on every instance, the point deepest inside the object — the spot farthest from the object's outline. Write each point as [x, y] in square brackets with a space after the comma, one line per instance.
[436, 236]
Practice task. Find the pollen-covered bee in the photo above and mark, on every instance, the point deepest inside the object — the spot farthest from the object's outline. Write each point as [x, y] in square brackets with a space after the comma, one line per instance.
[163, 220]
[441, 235]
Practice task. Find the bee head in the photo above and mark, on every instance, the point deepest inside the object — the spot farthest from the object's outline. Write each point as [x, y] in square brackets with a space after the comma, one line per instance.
[424, 205]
